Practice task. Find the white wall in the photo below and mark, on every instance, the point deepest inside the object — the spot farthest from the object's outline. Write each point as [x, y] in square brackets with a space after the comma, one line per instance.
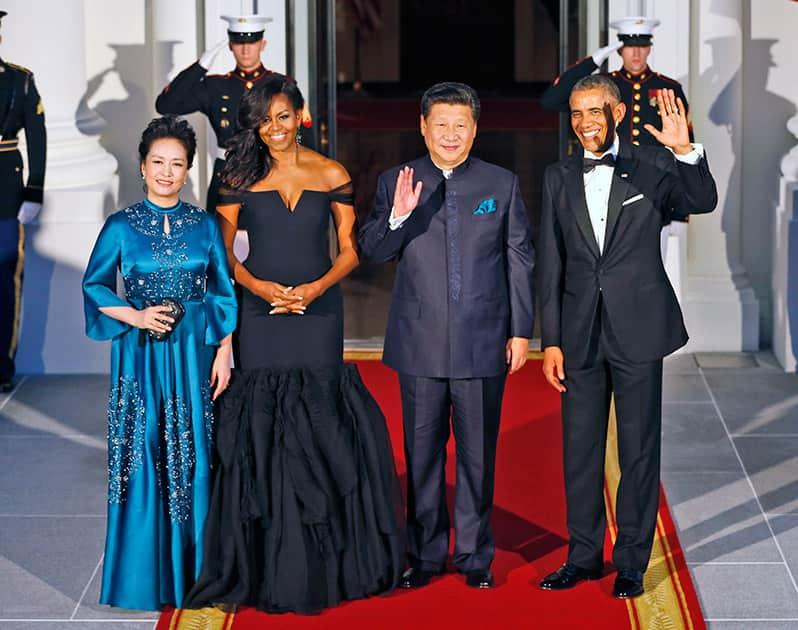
[770, 97]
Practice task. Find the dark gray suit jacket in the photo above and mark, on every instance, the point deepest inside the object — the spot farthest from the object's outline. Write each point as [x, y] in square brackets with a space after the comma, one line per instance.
[464, 282]
[649, 188]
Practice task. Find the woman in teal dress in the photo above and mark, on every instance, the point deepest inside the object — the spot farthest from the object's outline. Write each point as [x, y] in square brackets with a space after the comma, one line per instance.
[160, 416]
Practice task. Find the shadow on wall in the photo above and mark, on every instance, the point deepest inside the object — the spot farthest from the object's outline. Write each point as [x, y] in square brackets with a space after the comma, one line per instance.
[755, 120]
[50, 282]
[792, 276]
[127, 116]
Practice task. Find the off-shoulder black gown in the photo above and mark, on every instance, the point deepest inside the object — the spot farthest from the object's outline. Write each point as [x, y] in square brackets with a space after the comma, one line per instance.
[306, 509]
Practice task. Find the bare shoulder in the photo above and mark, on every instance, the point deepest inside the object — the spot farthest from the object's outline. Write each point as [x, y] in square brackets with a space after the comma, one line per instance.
[327, 172]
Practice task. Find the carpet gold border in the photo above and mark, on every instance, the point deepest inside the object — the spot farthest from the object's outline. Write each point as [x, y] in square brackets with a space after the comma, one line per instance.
[663, 604]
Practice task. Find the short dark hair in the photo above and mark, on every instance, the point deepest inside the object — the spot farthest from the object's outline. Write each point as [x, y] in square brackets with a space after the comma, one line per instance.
[598, 81]
[450, 93]
[169, 127]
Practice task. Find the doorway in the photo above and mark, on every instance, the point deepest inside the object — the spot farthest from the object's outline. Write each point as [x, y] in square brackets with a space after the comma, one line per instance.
[381, 57]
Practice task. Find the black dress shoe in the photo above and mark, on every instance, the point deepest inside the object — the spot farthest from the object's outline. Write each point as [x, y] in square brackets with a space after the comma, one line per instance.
[568, 576]
[628, 584]
[415, 578]
[480, 579]
[6, 386]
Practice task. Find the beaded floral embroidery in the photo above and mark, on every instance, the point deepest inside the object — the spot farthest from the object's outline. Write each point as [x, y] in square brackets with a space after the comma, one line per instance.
[126, 425]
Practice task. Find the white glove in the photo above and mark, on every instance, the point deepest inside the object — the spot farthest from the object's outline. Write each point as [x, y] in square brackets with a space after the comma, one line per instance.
[209, 55]
[602, 54]
[28, 211]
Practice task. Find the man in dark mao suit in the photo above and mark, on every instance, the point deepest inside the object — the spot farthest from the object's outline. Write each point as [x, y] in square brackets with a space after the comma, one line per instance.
[460, 320]
[609, 315]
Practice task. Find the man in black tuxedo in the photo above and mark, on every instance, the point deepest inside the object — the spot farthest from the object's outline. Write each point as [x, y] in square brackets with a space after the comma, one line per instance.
[609, 315]
[460, 319]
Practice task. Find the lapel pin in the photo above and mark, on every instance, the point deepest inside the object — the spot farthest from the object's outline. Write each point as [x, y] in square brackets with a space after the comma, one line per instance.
[624, 174]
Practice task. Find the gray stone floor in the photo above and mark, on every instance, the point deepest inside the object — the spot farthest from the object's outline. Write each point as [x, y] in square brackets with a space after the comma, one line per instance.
[730, 470]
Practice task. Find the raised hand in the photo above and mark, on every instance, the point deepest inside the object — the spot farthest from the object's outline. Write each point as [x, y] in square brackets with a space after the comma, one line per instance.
[674, 133]
[405, 197]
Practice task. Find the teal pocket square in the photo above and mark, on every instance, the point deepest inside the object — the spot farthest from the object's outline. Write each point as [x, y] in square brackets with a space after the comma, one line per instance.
[486, 207]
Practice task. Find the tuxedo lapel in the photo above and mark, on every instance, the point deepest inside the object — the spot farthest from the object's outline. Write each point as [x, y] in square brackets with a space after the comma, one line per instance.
[575, 187]
[625, 166]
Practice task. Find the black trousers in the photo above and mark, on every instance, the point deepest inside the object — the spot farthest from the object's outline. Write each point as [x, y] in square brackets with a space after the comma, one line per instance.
[585, 405]
[12, 240]
[474, 406]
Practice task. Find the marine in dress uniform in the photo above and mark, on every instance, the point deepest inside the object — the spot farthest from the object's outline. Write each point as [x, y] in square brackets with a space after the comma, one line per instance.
[20, 108]
[638, 86]
[218, 95]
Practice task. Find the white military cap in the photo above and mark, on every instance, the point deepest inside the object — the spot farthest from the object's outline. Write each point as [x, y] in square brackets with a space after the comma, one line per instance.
[246, 28]
[635, 30]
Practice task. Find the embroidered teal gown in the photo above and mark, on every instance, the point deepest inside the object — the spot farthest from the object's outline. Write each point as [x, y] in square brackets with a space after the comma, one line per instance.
[160, 417]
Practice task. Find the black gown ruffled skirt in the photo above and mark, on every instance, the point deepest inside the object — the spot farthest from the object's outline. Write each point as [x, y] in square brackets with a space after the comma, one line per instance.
[306, 509]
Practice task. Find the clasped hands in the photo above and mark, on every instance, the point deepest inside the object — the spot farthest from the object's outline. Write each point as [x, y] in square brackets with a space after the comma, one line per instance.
[285, 299]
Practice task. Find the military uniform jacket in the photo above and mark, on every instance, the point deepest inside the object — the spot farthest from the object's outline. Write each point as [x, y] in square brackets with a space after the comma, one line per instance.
[638, 92]
[464, 280]
[20, 108]
[215, 95]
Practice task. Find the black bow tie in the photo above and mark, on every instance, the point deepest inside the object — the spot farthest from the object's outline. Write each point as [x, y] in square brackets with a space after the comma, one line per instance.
[606, 160]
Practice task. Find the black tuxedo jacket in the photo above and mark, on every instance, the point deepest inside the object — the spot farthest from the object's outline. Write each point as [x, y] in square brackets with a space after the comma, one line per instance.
[464, 282]
[649, 188]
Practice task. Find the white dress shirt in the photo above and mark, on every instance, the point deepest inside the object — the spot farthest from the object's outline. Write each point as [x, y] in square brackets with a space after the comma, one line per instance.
[599, 181]
[597, 192]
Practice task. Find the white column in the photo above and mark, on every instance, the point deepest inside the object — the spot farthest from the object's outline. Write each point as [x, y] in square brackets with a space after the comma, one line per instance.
[174, 46]
[722, 311]
[80, 187]
[785, 262]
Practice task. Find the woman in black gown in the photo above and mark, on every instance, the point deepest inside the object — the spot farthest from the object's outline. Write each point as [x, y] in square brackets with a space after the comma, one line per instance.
[306, 507]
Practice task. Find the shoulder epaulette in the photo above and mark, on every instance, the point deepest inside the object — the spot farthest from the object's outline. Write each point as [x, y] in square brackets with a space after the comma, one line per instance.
[20, 68]
[218, 76]
[668, 79]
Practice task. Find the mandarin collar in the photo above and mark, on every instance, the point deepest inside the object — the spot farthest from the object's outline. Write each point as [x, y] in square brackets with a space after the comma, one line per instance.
[455, 173]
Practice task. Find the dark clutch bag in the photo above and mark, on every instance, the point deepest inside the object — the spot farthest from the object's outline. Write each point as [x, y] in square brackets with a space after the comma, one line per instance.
[176, 312]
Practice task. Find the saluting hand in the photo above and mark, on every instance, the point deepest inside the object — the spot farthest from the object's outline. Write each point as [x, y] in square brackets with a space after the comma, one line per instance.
[405, 197]
[675, 133]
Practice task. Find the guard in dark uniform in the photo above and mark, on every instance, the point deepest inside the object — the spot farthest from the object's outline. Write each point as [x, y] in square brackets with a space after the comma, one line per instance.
[637, 82]
[20, 108]
[218, 95]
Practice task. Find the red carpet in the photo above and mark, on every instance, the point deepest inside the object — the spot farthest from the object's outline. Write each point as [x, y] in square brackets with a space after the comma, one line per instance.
[497, 114]
[529, 527]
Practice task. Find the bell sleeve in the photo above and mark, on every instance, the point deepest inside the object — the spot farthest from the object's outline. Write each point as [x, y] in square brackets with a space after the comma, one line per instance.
[221, 309]
[99, 283]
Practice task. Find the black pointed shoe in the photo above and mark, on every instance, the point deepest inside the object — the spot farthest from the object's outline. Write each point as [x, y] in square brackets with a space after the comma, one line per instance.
[6, 386]
[628, 584]
[480, 579]
[568, 576]
[415, 578]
